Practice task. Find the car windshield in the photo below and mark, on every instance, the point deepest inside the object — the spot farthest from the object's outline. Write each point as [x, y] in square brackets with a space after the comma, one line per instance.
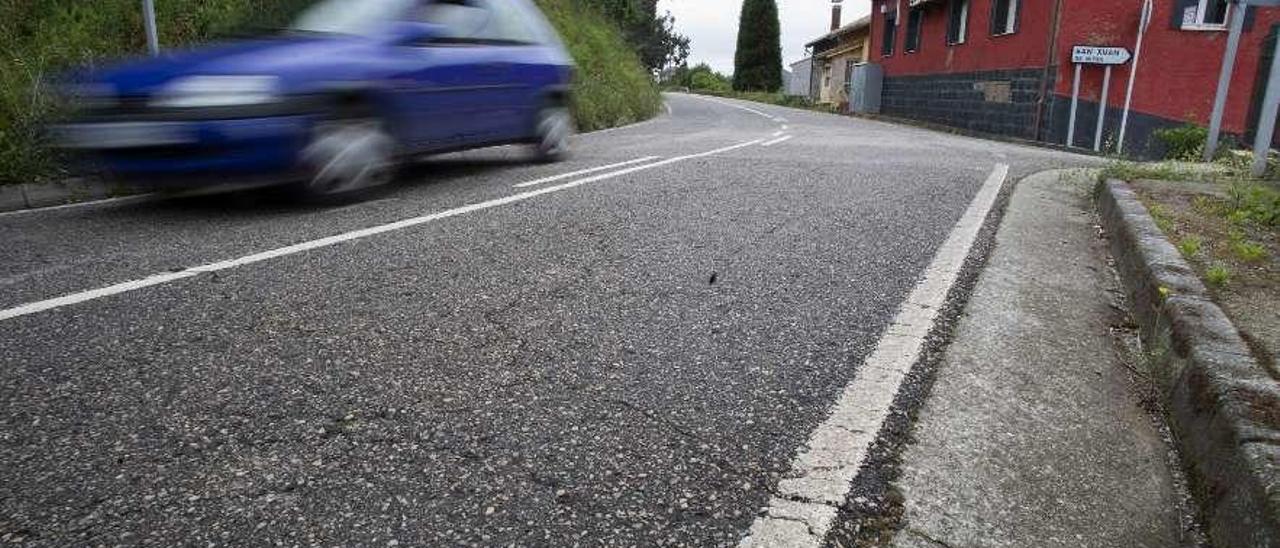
[350, 16]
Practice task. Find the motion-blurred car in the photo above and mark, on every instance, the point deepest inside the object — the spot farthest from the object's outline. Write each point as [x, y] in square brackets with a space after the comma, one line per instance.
[332, 104]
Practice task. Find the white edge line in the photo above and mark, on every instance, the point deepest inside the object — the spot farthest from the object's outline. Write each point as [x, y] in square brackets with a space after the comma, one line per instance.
[119, 200]
[776, 141]
[778, 133]
[583, 172]
[807, 499]
[739, 107]
[166, 277]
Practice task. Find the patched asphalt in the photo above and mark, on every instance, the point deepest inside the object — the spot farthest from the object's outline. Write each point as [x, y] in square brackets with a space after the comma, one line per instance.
[629, 362]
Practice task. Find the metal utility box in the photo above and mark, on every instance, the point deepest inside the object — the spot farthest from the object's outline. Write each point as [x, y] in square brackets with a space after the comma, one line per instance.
[865, 86]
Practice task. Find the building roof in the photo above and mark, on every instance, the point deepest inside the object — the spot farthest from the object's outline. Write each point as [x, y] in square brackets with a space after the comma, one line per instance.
[860, 24]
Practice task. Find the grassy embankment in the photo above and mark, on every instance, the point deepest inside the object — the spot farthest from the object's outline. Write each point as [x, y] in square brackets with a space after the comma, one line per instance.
[42, 37]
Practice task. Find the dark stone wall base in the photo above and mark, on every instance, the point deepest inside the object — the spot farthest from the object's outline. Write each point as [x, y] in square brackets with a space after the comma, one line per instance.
[966, 101]
[974, 101]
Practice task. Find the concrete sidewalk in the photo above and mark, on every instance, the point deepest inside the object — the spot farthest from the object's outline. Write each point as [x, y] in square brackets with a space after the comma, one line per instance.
[1033, 434]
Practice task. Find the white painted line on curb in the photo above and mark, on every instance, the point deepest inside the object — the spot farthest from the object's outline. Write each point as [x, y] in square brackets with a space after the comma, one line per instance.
[121, 200]
[776, 141]
[807, 499]
[162, 278]
[583, 172]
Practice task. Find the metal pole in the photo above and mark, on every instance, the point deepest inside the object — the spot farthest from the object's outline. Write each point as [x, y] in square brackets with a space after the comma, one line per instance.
[1075, 102]
[1133, 71]
[1224, 79]
[1267, 120]
[1102, 109]
[149, 19]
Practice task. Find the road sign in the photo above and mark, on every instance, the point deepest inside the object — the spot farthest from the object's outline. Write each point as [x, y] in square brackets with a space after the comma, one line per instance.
[1099, 55]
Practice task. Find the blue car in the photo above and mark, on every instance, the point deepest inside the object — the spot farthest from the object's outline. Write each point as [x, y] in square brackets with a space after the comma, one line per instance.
[335, 102]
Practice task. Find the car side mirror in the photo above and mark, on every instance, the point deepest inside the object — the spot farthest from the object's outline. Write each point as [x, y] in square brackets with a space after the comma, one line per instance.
[411, 34]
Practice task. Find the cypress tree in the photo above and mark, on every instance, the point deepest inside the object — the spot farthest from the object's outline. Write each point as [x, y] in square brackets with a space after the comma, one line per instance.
[757, 63]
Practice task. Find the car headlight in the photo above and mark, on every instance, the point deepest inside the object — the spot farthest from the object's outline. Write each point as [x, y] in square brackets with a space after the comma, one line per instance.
[218, 91]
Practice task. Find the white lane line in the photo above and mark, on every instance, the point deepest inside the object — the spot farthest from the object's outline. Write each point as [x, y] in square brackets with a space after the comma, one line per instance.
[778, 133]
[732, 105]
[808, 497]
[166, 277]
[583, 172]
[776, 141]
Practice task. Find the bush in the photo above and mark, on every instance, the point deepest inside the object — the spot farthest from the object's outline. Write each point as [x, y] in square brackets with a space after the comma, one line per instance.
[1183, 143]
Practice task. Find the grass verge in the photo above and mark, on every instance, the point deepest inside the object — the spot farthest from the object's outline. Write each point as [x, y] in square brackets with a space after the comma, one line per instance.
[1229, 232]
[612, 88]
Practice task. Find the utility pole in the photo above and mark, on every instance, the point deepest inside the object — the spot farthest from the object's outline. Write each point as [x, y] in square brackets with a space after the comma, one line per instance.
[149, 19]
[1143, 22]
[1224, 78]
[1267, 119]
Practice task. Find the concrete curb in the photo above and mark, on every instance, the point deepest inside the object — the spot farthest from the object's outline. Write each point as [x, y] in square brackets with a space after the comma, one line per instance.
[36, 195]
[1224, 408]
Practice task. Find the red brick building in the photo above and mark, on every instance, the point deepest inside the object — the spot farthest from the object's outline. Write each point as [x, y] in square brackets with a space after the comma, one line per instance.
[1004, 66]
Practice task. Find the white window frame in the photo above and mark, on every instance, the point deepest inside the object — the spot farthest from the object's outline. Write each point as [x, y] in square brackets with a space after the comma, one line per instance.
[1010, 19]
[962, 33]
[1202, 8]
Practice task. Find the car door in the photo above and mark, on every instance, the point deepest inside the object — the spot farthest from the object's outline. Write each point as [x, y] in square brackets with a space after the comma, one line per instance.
[517, 47]
[454, 77]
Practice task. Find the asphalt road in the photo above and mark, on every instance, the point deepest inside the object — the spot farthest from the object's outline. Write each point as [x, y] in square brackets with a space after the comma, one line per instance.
[633, 360]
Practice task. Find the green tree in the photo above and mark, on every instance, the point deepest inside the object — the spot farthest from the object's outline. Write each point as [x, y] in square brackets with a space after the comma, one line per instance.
[653, 36]
[757, 63]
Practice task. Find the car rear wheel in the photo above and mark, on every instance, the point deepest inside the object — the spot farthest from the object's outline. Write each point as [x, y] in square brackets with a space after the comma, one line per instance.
[552, 132]
[347, 155]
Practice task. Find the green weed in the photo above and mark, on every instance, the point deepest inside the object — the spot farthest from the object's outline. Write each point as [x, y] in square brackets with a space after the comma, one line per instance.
[1249, 252]
[1217, 276]
[1162, 218]
[1190, 245]
[1253, 203]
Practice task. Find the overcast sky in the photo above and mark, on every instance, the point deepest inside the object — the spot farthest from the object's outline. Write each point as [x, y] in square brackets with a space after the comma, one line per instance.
[712, 26]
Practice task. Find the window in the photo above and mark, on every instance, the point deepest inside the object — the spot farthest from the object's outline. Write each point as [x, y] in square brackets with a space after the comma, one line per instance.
[958, 22]
[890, 34]
[1205, 14]
[480, 21]
[915, 20]
[1004, 17]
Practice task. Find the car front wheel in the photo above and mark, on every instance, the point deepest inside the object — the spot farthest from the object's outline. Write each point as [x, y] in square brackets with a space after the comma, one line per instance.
[347, 155]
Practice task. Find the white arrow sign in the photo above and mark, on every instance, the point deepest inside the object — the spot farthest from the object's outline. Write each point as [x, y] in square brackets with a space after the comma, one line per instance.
[1099, 55]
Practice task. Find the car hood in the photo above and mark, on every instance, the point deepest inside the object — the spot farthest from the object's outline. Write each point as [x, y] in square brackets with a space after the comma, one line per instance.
[295, 60]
